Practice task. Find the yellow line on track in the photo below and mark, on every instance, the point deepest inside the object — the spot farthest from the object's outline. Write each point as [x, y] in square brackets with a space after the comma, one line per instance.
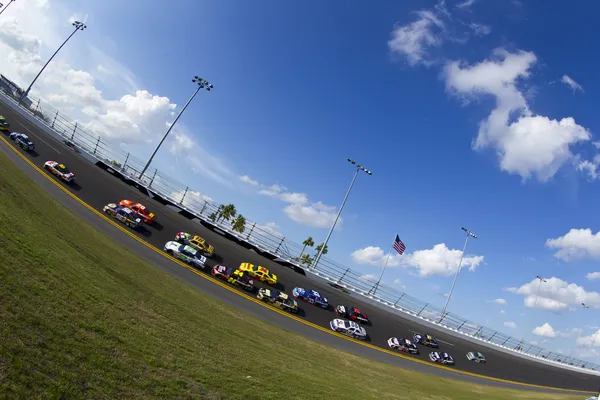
[255, 300]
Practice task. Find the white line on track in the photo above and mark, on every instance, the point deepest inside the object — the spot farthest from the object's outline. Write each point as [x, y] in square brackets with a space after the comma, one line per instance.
[441, 341]
[42, 140]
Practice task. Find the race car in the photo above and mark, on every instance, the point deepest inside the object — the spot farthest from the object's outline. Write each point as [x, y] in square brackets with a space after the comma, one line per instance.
[195, 241]
[402, 344]
[425, 340]
[123, 214]
[72, 145]
[311, 296]
[4, 126]
[22, 141]
[352, 313]
[233, 276]
[476, 356]
[348, 328]
[441, 358]
[260, 273]
[279, 299]
[185, 253]
[140, 210]
[60, 170]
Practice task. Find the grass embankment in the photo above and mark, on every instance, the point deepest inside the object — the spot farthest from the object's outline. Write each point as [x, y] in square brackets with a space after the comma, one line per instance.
[81, 316]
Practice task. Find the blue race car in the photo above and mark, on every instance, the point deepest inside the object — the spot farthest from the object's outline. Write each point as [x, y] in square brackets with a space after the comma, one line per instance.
[22, 141]
[425, 340]
[311, 296]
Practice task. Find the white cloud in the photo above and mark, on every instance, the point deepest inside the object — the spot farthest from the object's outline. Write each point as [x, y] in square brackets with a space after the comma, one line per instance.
[413, 40]
[399, 283]
[593, 275]
[181, 142]
[545, 330]
[248, 180]
[271, 228]
[591, 340]
[576, 244]
[589, 167]
[317, 215]
[480, 29]
[510, 324]
[465, 4]
[556, 295]
[567, 80]
[502, 312]
[439, 260]
[500, 301]
[526, 144]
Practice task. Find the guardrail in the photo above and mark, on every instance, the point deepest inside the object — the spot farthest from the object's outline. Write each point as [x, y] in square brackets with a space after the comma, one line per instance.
[282, 249]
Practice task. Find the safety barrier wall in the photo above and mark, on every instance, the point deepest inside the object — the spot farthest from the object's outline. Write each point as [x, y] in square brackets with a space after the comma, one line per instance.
[283, 250]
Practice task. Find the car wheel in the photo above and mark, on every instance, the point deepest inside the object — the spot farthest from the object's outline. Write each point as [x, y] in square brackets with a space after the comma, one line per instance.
[170, 252]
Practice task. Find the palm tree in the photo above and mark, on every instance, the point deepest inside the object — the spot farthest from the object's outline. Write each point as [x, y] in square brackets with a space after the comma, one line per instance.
[213, 216]
[219, 212]
[319, 247]
[229, 212]
[307, 242]
[239, 224]
[306, 259]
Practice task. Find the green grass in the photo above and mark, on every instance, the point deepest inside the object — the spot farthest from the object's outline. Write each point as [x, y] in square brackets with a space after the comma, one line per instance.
[82, 317]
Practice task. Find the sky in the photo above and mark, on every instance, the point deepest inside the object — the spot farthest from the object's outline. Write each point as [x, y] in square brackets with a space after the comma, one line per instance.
[469, 113]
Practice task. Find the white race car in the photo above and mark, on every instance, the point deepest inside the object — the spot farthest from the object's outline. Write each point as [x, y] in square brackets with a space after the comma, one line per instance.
[348, 328]
[60, 170]
[441, 358]
[476, 356]
[403, 345]
[185, 253]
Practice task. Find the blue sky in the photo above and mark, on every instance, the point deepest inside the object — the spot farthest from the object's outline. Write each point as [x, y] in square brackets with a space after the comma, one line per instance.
[405, 88]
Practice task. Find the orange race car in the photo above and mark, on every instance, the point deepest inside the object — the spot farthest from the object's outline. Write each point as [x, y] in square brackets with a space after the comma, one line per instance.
[260, 273]
[140, 210]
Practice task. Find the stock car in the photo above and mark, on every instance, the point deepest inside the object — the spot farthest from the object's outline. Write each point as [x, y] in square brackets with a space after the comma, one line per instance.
[352, 313]
[348, 328]
[441, 358]
[185, 253]
[260, 273]
[140, 210]
[310, 296]
[195, 241]
[123, 214]
[279, 299]
[233, 276]
[22, 141]
[4, 126]
[60, 170]
[476, 356]
[402, 344]
[72, 145]
[425, 340]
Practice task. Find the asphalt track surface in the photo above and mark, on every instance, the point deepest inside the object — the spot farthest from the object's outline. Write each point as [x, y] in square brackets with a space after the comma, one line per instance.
[95, 187]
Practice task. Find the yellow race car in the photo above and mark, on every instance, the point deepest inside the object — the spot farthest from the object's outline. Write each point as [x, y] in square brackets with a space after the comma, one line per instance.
[260, 273]
[4, 126]
[195, 241]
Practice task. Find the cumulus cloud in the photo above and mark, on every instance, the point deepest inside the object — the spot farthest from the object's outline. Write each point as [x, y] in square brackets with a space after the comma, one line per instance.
[439, 260]
[545, 330]
[500, 301]
[248, 180]
[567, 80]
[577, 244]
[556, 295]
[593, 276]
[510, 324]
[591, 340]
[527, 144]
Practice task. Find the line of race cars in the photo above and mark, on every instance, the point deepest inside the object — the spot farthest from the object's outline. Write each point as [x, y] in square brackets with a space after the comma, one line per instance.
[194, 250]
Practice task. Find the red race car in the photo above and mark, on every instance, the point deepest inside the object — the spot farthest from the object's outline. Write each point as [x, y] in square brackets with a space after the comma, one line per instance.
[352, 313]
[140, 210]
[233, 276]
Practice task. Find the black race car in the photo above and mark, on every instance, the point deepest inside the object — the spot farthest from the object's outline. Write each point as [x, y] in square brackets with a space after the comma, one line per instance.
[352, 313]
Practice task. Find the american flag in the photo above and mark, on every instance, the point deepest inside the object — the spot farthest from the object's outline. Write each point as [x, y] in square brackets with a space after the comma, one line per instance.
[399, 245]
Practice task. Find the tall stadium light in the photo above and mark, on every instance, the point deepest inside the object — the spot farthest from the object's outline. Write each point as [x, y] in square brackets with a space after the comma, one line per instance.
[358, 169]
[537, 295]
[469, 234]
[79, 26]
[202, 84]
[4, 9]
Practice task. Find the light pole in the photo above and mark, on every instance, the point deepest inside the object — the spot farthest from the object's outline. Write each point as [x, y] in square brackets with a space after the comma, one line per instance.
[4, 9]
[469, 234]
[537, 295]
[202, 84]
[79, 26]
[358, 169]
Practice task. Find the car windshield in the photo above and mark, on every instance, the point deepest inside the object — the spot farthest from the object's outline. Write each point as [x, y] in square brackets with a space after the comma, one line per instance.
[62, 168]
[479, 355]
[190, 250]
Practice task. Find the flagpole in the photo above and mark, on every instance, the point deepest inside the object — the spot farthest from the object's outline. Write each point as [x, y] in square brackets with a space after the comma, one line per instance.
[374, 288]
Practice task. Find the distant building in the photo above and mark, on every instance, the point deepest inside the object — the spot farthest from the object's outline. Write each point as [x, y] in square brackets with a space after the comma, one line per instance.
[13, 90]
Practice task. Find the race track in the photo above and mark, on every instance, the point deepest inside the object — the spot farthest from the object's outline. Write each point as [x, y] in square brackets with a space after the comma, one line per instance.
[97, 188]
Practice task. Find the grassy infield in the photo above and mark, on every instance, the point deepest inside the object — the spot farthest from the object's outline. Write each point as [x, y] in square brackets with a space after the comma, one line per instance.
[81, 316]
